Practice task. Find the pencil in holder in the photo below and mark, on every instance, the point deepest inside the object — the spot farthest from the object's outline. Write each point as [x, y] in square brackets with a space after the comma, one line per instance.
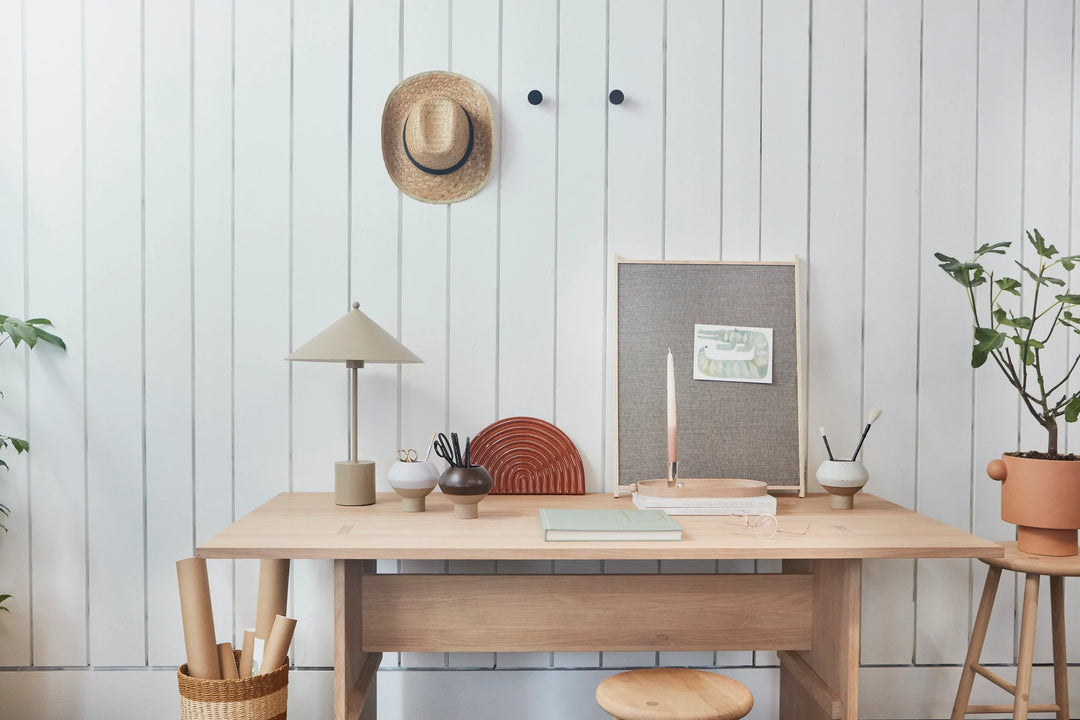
[261, 697]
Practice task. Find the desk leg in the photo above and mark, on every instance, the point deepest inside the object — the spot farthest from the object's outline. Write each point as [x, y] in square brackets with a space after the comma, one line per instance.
[823, 683]
[354, 669]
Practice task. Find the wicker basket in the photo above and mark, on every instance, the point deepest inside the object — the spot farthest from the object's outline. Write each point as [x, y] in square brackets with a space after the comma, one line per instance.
[262, 697]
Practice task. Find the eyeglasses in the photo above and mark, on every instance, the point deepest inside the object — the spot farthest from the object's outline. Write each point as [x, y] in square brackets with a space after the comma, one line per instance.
[763, 526]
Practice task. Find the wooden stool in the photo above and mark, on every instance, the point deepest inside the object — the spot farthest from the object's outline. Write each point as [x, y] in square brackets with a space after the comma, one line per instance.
[673, 694]
[1033, 567]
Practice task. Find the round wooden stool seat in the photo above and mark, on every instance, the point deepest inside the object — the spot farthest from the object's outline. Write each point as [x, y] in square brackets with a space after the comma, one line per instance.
[1035, 564]
[673, 694]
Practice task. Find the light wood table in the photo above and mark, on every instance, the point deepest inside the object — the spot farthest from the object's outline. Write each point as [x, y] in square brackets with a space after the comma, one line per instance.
[809, 612]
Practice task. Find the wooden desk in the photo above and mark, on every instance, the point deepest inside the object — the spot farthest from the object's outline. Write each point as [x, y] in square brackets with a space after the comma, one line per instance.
[809, 612]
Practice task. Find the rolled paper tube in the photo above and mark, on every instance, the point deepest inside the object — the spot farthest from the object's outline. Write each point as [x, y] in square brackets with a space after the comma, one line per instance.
[227, 660]
[277, 645]
[198, 617]
[273, 595]
[247, 651]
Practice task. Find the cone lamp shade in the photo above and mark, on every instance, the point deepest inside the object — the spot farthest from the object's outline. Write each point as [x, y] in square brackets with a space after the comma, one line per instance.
[355, 339]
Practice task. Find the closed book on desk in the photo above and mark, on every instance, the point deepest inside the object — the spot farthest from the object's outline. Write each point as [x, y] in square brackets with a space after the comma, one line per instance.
[632, 525]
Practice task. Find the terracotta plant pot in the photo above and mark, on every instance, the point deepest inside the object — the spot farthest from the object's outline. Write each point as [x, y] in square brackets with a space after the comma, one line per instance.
[1042, 498]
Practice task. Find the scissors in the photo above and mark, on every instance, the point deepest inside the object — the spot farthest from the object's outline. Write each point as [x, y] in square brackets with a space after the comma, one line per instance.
[407, 455]
[445, 450]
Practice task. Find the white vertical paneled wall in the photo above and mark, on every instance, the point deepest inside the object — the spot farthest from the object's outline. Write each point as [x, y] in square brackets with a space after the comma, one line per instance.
[190, 189]
[54, 206]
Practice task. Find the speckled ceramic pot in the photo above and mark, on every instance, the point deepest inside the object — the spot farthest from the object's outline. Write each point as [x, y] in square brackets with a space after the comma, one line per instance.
[842, 479]
[413, 481]
[465, 487]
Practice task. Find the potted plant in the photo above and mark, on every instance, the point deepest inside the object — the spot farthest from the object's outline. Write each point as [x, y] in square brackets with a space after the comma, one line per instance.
[1040, 491]
[30, 332]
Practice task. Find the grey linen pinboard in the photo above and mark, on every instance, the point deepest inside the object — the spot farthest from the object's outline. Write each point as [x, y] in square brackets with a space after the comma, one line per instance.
[725, 429]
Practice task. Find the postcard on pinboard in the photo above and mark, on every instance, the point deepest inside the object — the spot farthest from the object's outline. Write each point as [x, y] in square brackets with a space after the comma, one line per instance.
[733, 354]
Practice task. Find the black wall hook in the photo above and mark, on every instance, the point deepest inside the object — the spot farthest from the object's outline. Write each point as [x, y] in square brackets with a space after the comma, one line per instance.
[535, 97]
[616, 97]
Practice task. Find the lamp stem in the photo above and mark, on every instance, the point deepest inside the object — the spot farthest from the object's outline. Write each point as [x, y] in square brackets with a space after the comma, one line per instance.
[352, 380]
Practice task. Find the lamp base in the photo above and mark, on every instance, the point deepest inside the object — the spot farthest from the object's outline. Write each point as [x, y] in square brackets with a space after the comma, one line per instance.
[354, 483]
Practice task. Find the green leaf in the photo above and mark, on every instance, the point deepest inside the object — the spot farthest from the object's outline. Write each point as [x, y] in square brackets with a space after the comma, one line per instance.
[961, 272]
[986, 341]
[1068, 299]
[20, 445]
[1040, 279]
[1027, 348]
[1009, 285]
[3, 464]
[1072, 409]
[1021, 343]
[25, 332]
[4, 598]
[1030, 273]
[39, 321]
[55, 340]
[996, 248]
[1002, 318]
[1069, 261]
[1044, 250]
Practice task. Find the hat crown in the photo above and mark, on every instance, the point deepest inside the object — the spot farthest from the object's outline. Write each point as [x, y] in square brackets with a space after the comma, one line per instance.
[437, 132]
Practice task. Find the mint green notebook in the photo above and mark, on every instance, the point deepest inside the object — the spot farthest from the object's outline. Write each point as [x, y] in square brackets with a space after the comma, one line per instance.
[556, 524]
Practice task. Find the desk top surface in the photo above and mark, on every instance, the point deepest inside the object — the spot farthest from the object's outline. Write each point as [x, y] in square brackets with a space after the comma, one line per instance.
[311, 526]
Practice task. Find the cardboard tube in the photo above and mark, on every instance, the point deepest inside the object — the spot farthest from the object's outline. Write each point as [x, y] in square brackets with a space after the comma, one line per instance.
[277, 645]
[273, 595]
[227, 661]
[247, 651]
[272, 598]
[198, 617]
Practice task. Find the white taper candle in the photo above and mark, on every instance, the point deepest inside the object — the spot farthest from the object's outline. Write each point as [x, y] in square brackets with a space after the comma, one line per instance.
[672, 435]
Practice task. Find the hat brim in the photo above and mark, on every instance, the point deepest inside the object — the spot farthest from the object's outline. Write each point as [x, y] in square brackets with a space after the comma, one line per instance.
[467, 180]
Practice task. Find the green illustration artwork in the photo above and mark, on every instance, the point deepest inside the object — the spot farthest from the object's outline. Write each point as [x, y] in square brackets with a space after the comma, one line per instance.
[733, 354]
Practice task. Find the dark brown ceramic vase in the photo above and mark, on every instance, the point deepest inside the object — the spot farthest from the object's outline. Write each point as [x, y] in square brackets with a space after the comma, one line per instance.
[465, 487]
[1042, 498]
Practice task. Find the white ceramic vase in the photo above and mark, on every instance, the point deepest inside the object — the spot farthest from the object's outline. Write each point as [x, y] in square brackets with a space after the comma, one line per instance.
[413, 481]
[842, 479]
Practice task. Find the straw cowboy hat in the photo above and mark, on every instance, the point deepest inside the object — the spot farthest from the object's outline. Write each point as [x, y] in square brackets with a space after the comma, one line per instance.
[437, 137]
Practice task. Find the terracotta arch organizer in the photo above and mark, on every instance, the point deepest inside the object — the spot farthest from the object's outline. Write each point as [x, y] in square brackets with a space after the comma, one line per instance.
[528, 456]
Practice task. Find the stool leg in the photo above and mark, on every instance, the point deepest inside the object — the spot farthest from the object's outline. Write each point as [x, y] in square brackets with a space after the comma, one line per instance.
[1027, 647]
[1057, 622]
[978, 635]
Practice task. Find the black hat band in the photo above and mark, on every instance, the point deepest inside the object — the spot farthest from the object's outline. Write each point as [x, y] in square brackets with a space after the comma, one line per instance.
[435, 171]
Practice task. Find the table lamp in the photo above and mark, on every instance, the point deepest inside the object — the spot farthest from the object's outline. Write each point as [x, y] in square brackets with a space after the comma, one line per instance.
[355, 339]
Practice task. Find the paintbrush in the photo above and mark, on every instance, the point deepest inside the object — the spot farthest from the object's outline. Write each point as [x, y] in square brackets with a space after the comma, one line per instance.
[430, 445]
[875, 413]
[826, 439]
